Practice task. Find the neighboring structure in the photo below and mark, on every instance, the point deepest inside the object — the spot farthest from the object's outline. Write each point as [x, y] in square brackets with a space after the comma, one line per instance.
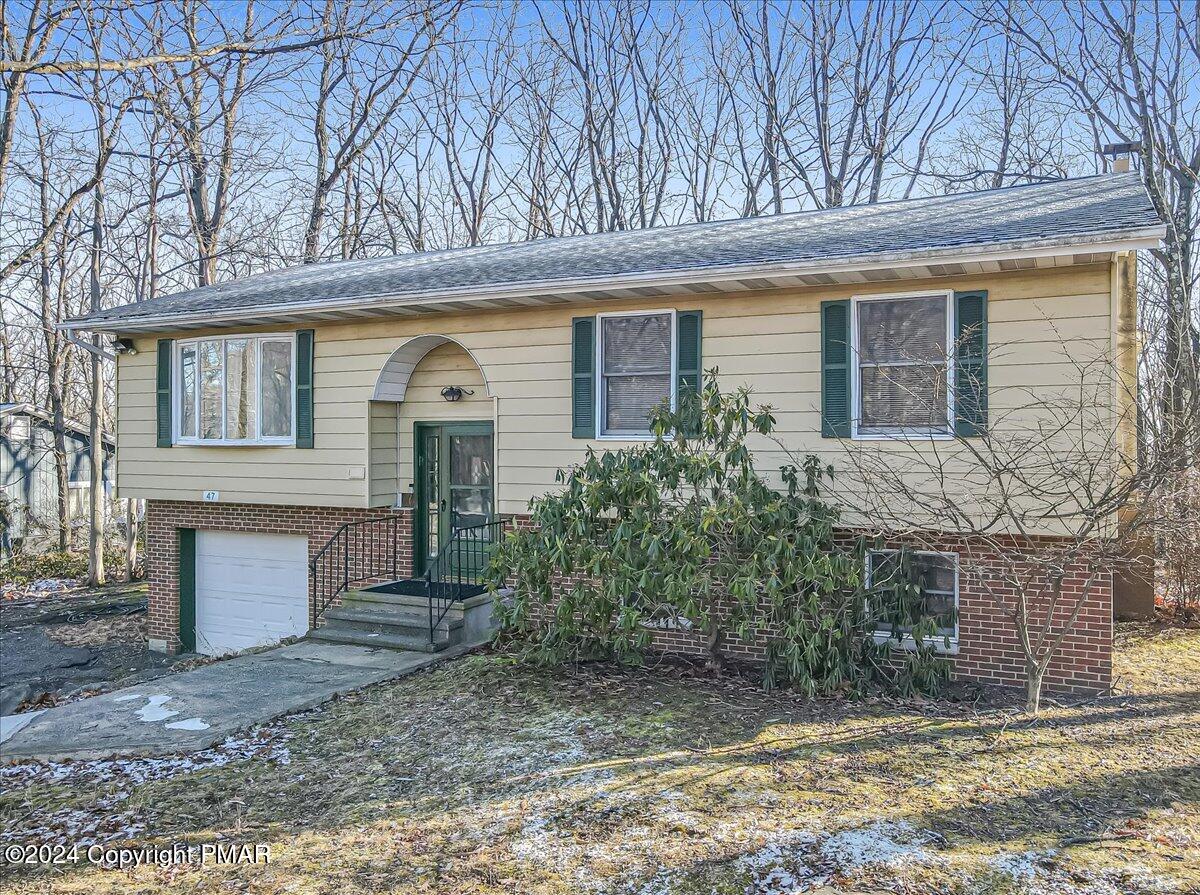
[432, 392]
[28, 476]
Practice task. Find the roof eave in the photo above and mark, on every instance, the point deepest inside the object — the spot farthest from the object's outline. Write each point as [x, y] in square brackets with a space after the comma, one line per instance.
[1120, 240]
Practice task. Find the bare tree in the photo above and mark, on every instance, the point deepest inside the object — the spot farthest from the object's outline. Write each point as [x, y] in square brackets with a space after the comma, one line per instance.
[470, 95]
[1043, 507]
[55, 344]
[837, 93]
[1133, 68]
[366, 89]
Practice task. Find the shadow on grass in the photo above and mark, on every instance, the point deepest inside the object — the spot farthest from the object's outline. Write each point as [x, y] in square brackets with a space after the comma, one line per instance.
[456, 744]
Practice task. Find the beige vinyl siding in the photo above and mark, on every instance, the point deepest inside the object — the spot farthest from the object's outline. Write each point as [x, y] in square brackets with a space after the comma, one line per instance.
[383, 483]
[767, 340]
[423, 402]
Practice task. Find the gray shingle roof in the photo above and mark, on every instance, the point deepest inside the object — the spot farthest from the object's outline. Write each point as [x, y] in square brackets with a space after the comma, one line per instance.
[1063, 212]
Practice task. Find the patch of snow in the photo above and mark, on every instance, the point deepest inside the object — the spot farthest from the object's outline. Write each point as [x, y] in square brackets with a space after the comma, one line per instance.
[1103, 882]
[883, 843]
[135, 771]
[13, 724]
[104, 821]
[662, 883]
[188, 724]
[127, 697]
[1021, 867]
[153, 709]
[51, 585]
[777, 868]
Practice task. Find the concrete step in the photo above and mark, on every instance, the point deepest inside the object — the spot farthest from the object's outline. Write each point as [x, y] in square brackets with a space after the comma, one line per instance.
[373, 599]
[380, 619]
[354, 637]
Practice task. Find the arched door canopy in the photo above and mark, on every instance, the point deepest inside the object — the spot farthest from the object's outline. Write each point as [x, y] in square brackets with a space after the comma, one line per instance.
[393, 378]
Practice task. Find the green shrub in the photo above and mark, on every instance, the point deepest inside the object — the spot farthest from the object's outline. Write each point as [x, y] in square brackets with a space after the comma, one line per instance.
[26, 567]
[685, 531]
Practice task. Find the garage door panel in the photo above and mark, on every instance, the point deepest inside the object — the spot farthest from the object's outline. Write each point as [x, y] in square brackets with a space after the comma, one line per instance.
[251, 589]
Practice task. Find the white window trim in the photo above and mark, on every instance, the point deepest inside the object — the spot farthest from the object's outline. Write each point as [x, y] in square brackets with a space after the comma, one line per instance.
[177, 392]
[855, 396]
[907, 641]
[25, 424]
[598, 365]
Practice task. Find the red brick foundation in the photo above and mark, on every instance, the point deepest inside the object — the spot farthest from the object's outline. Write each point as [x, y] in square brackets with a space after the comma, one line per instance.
[988, 649]
[165, 517]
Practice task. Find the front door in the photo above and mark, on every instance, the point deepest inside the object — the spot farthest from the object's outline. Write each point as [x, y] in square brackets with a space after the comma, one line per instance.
[455, 483]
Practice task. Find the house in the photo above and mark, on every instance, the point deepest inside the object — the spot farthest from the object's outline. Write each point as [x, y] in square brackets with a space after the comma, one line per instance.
[28, 475]
[299, 431]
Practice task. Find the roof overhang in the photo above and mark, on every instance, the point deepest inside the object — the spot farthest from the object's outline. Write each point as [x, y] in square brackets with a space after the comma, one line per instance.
[68, 424]
[930, 264]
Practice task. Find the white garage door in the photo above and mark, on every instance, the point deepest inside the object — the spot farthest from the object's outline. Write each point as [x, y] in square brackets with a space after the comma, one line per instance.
[251, 589]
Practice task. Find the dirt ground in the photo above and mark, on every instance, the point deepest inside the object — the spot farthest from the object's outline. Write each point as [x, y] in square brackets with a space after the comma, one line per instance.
[486, 776]
[70, 643]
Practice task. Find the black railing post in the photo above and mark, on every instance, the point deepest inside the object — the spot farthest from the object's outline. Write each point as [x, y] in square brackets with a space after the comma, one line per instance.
[429, 592]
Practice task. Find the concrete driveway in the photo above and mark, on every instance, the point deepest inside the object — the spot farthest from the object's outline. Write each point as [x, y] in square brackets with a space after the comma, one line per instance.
[195, 709]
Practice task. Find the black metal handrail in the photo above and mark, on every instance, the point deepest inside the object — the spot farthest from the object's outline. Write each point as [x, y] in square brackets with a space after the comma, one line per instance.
[462, 561]
[358, 551]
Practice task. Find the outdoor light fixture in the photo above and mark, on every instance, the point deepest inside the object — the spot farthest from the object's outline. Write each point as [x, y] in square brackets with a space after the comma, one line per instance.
[454, 393]
[124, 346]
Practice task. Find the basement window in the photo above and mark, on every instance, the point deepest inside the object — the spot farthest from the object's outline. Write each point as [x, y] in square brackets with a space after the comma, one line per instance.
[898, 609]
[236, 390]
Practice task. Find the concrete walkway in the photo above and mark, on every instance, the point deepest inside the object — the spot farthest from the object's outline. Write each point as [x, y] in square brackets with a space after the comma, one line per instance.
[196, 709]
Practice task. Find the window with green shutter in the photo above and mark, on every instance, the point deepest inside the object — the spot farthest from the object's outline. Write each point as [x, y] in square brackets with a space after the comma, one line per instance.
[689, 369]
[166, 357]
[583, 377]
[625, 364]
[304, 388]
[835, 369]
[970, 373]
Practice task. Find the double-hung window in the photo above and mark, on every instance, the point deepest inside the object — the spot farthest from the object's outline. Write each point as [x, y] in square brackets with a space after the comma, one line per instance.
[913, 587]
[903, 366]
[236, 390]
[636, 355]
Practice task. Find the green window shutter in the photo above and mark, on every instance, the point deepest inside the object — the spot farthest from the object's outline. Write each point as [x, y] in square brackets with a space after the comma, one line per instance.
[688, 338]
[970, 369]
[835, 369]
[304, 388]
[166, 355]
[187, 589]
[583, 377]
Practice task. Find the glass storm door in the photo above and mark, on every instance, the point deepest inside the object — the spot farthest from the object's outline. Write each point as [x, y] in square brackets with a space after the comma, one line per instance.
[455, 483]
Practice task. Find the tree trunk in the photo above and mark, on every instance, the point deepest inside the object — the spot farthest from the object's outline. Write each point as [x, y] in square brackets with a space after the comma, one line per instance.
[714, 640]
[1035, 673]
[60, 477]
[95, 431]
[131, 533]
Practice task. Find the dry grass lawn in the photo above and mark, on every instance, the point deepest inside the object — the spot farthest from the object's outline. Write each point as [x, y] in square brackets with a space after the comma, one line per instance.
[482, 776]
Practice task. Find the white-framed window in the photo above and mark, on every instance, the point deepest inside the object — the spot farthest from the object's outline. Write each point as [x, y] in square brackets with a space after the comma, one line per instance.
[19, 430]
[636, 360]
[902, 375]
[236, 390]
[936, 577]
[78, 498]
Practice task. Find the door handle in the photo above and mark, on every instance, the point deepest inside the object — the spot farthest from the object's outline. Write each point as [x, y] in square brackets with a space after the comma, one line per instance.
[443, 505]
